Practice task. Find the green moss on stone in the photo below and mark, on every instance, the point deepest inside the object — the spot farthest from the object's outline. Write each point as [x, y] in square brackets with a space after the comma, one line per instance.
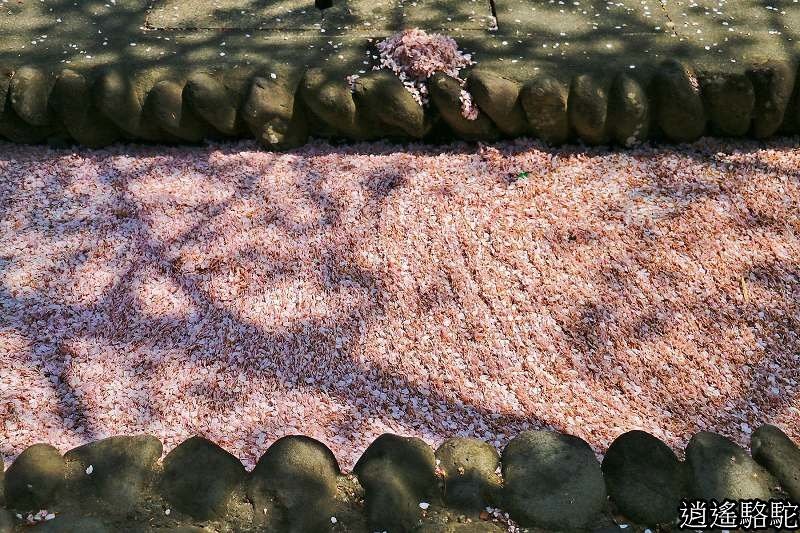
[199, 478]
[679, 106]
[552, 481]
[34, 479]
[588, 107]
[644, 478]
[498, 97]
[720, 469]
[544, 100]
[628, 111]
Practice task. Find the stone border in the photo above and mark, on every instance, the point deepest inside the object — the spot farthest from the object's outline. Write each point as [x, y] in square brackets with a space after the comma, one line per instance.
[542, 479]
[671, 101]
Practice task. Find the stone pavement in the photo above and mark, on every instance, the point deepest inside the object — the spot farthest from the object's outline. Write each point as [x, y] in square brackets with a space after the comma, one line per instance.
[289, 33]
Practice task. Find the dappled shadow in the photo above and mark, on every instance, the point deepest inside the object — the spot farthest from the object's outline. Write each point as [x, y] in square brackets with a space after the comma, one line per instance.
[536, 314]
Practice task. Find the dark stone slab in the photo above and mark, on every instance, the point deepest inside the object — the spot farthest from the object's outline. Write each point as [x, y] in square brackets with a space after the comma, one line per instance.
[470, 478]
[297, 475]
[776, 452]
[552, 481]
[72, 524]
[199, 478]
[719, 469]
[397, 473]
[644, 478]
[113, 471]
[34, 479]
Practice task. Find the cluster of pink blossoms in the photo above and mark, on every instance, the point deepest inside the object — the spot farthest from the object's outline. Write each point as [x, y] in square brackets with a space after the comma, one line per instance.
[414, 56]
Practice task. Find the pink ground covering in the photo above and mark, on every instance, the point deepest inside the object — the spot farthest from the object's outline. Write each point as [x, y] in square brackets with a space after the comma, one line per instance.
[342, 293]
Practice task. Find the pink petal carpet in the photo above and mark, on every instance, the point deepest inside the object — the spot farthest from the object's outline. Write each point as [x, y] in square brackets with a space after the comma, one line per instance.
[343, 292]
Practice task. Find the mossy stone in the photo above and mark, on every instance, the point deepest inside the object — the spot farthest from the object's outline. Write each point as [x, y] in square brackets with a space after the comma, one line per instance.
[588, 108]
[5, 82]
[544, 100]
[470, 479]
[12, 127]
[121, 467]
[208, 96]
[72, 101]
[331, 101]
[183, 529]
[120, 96]
[17, 130]
[679, 105]
[34, 479]
[72, 524]
[498, 97]
[729, 98]
[552, 481]
[397, 473]
[773, 83]
[445, 94]
[644, 478]
[7, 524]
[29, 93]
[628, 111]
[382, 96]
[199, 478]
[297, 474]
[776, 452]
[274, 117]
[467, 527]
[719, 469]
[165, 106]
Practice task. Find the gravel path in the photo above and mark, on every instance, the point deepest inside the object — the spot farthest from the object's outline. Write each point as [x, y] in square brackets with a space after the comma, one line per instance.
[346, 292]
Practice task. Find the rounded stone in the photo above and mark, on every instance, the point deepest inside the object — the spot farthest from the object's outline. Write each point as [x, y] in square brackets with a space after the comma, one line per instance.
[552, 481]
[729, 98]
[331, 101]
[773, 84]
[72, 524]
[470, 479]
[644, 478]
[119, 95]
[588, 109]
[498, 97]
[628, 111]
[34, 478]
[29, 94]
[183, 529]
[445, 94]
[397, 473]
[72, 101]
[212, 101]
[165, 106]
[468, 527]
[5, 82]
[544, 100]
[678, 102]
[199, 478]
[6, 522]
[776, 452]
[298, 474]
[17, 130]
[12, 127]
[273, 115]
[121, 467]
[719, 469]
[381, 95]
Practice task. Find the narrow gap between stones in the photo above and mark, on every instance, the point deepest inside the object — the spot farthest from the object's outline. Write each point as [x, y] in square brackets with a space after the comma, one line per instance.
[494, 11]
